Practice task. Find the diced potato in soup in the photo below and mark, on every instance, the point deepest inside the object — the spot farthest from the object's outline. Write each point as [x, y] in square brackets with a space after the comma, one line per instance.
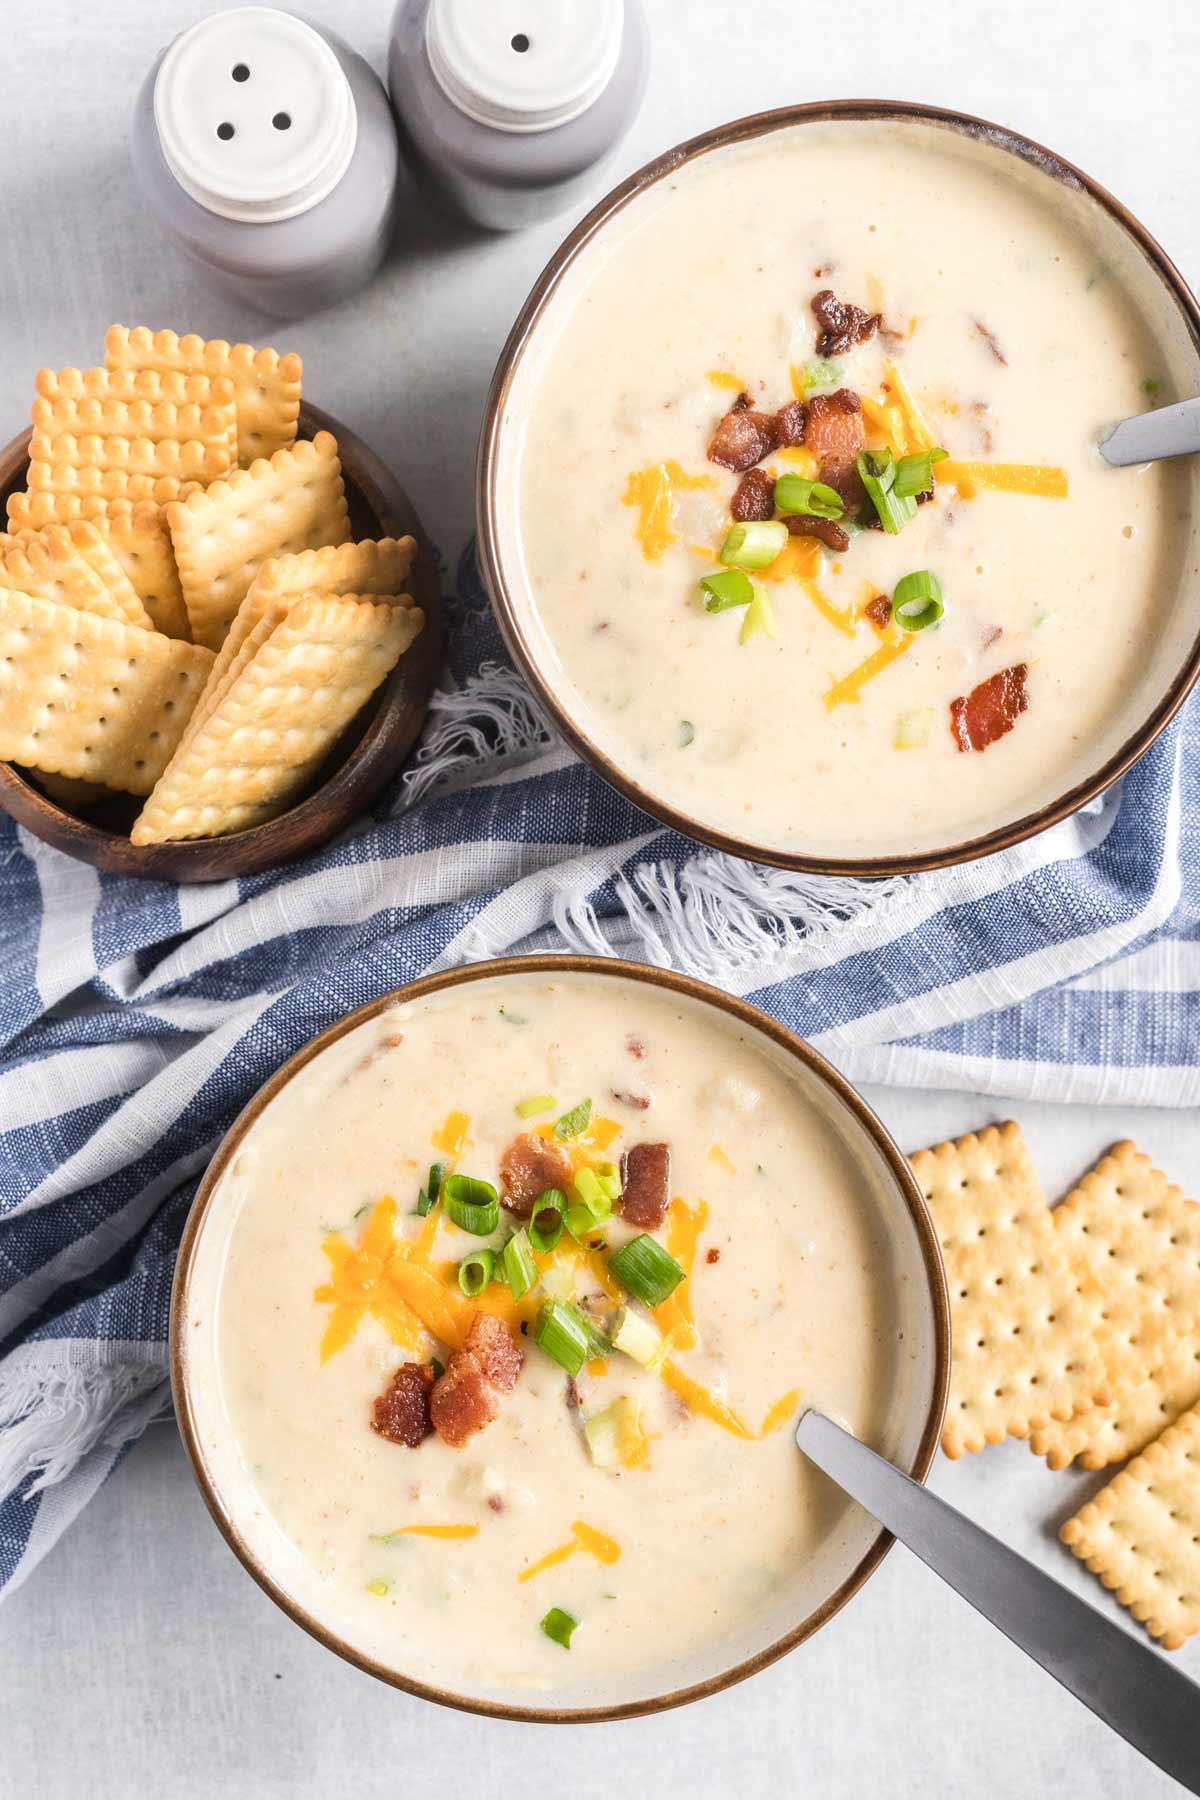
[765, 318]
[440, 1463]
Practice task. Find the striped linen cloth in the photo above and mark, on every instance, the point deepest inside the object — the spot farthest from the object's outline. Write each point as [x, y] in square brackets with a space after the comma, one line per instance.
[138, 1017]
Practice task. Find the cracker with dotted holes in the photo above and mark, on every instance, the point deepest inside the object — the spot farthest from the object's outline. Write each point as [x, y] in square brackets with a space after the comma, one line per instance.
[92, 697]
[1112, 1434]
[135, 531]
[149, 468]
[370, 566]
[139, 404]
[1024, 1351]
[1141, 1534]
[46, 565]
[266, 385]
[223, 534]
[91, 544]
[319, 663]
[244, 634]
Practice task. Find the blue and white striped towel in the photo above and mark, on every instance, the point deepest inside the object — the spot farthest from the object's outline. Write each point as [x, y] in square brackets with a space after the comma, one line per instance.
[137, 1018]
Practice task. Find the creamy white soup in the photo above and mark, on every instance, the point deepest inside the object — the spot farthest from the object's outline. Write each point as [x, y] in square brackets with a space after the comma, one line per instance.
[510, 1488]
[893, 670]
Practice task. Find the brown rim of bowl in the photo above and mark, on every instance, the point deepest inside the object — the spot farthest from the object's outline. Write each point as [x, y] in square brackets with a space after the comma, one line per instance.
[738, 130]
[744, 1014]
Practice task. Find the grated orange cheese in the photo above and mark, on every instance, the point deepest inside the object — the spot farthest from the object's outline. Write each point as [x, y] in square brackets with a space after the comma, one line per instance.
[451, 1136]
[1041, 479]
[895, 643]
[845, 620]
[722, 378]
[652, 491]
[583, 1537]
[674, 1316]
[436, 1531]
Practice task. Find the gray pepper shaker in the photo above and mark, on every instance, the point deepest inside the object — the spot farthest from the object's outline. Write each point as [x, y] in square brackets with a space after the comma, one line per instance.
[266, 149]
[504, 107]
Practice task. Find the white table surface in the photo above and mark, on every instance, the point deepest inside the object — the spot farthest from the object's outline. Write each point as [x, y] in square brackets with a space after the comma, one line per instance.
[139, 1658]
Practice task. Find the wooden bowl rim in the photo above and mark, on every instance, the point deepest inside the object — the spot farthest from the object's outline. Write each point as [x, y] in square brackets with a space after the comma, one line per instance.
[385, 741]
[507, 614]
[849, 1101]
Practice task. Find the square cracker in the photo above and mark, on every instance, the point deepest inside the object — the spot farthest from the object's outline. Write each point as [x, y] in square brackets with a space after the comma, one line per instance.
[1141, 1534]
[222, 534]
[151, 468]
[266, 385]
[137, 535]
[1024, 1349]
[313, 667]
[47, 565]
[371, 566]
[91, 697]
[139, 404]
[1112, 1434]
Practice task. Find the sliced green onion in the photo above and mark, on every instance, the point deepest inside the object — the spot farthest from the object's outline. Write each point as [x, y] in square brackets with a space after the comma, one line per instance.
[535, 1104]
[760, 616]
[646, 1269]
[546, 1220]
[821, 373]
[378, 1588]
[796, 494]
[475, 1272]
[597, 1343]
[557, 1331]
[730, 588]
[433, 1187]
[878, 471]
[609, 1177]
[637, 1337]
[913, 728]
[581, 1222]
[520, 1270]
[573, 1122]
[917, 601]
[914, 473]
[559, 1625]
[615, 1438]
[471, 1204]
[594, 1196]
[753, 543]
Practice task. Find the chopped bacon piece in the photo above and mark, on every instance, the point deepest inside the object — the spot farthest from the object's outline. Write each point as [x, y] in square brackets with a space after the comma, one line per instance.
[879, 611]
[645, 1184]
[989, 710]
[836, 434]
[828, 530]
[491, 1343]
[755, 496]
[789, 423]
[467, 1396]
[843, 325]
[401, 1412]
[639, 1102]
[529, 1166]
[713, 1255]
[742, 438]
[463, 1401]
[635, 1046]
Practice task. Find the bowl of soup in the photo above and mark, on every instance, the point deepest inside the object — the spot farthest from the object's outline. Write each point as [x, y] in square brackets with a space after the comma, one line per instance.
[790, 497]
[494, 1317]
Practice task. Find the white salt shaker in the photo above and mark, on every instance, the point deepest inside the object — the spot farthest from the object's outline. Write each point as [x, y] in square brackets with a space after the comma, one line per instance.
[266, 149]
[504, 107]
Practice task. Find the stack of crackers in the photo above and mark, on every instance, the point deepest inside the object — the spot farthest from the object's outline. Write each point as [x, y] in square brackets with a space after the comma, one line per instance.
[1078, 1327]
[183, 614]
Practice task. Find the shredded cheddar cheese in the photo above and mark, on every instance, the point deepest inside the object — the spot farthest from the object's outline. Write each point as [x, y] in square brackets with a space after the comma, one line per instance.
[919, 434]
[358, 1285]
[717, 1155]
[652, 491]
[781, 1412]
[1043, 480]
[799, 560]
[436, 1531]
[674, 1316]
[722, 378]
[601, 1133]
[845, 620]
[583, 1537]
[452, 1136]
[797, 457]
[895, 643]
[703, 1400]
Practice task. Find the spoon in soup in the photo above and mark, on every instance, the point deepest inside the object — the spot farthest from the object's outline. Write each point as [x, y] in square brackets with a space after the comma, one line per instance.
[1151, 436]
[1153, 1706]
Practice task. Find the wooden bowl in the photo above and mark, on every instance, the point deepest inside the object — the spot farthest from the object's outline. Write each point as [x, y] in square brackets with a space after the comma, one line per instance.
[370, 751]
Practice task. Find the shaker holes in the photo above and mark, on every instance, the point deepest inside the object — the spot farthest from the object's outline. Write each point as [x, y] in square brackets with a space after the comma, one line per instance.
[520, 42]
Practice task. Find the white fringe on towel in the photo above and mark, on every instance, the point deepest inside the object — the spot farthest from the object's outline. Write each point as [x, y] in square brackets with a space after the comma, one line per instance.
[489, 723]
[60, 1398]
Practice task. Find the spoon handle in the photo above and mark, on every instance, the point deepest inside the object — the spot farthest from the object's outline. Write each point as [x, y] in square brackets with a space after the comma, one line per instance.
[1168, 431]
[1127, 1684]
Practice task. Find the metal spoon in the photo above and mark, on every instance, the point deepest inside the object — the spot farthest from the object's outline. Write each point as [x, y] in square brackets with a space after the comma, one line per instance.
[1168, 431]
[1153, 1706]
